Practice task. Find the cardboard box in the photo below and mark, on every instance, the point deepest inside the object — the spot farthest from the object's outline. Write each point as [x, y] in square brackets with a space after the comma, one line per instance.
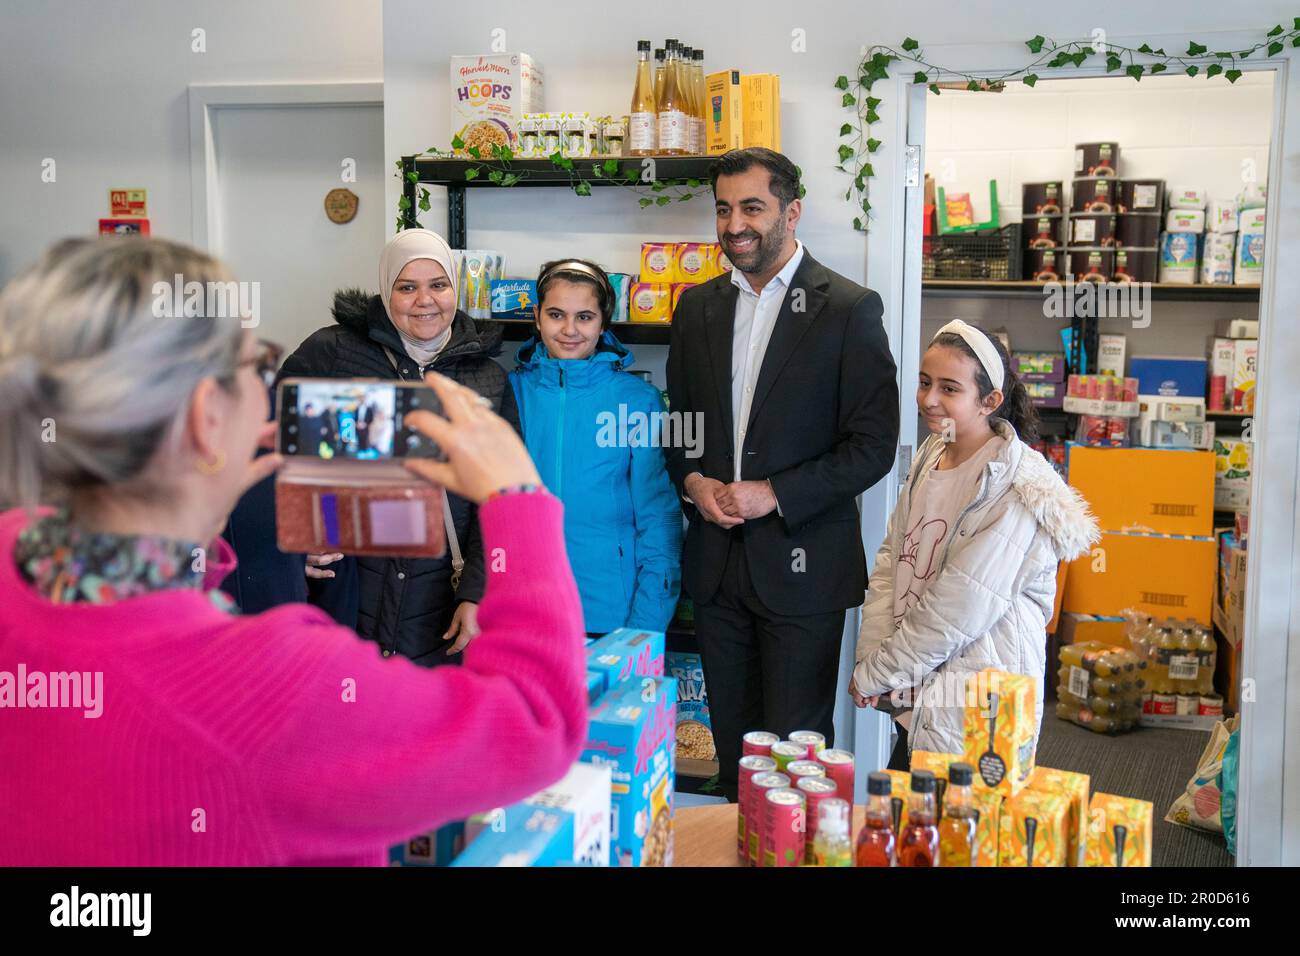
[1035, 830]
[1232, 465]
[1223, 364]
[1239, 328]
[1078, 628]
[585, 792]
[626, 652]
[632, 730]
[1227, 675]
[531, 836]
[988, 826]
[1169, 376]
[1175, 436]
[436, 848]
[1155, 490]
[725, 112]
[762, 105]
[1119, 831]
[1061, 568]
[596, 685]
[694, 728]
[1245, 363]
[1039, 366]
[1012, 727]
[489, 97]
[650, 302]
[1110, 354]
[1164, 576]
[659, 262]
[1160, 409]
[1073, 786]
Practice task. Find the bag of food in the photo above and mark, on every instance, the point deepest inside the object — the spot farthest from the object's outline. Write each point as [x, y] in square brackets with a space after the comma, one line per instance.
[1228, 787]
[1201, 805]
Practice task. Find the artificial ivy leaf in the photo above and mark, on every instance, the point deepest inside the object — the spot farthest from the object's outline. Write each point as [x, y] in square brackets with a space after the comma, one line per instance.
[1159, 67]
[611, 166]
[496, 176]
[1145, 48]
[1161, 52]
[1113, 63]
[1296, 41]
[1030, 79]
[842, 83]
[404, 203]
[873, 145]
[663, 200]
[1233, 75]
[1275, 31]
[475, 152]
[658, 186]
[909, 44]
[848, 100]
[1214, 69]
[857, 223]
[457, 143]
[683, 197]
[846, 129]
[973, 86]
[424, 203]
[1274, 49]
[471, 174]
[645, 202]
[1036, 44]
[412, 177]
[866, 205]
[1193, 70]
[1297, 24]
[919, 77]
[1196, 49]
[846, 153]
[873, 102]
[1135, 70]
[1223, 54]
[583, 188]
[867, 170]
[597, 171]
[873, 116]
[847, 194]
[934, 88]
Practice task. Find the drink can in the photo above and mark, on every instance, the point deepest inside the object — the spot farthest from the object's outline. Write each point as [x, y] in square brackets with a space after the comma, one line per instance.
[815, 790]
[786, 753]
[839, 767]
[1211, 705]
[1187, 705]
[759, 784]
[783, 827]
[816, 742]
[749, 767]
[798, 769]
[758, 742]
[1164, 704]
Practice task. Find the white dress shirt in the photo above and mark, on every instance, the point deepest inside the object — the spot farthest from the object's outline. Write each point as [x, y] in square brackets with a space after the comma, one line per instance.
[756, 314]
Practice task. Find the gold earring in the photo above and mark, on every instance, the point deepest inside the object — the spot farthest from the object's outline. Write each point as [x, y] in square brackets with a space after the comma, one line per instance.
[215, 467]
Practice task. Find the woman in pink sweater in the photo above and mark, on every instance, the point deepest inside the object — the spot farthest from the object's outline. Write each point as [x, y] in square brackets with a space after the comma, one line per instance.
[142, 720]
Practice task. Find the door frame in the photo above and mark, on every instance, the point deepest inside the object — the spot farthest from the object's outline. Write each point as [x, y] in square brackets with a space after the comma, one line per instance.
[206, 98]
[1268, 827]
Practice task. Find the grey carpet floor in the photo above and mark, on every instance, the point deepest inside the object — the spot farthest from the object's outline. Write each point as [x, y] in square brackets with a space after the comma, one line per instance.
[1148, 763]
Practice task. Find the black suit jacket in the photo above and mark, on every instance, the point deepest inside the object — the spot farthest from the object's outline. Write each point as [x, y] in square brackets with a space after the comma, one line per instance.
[823, 428]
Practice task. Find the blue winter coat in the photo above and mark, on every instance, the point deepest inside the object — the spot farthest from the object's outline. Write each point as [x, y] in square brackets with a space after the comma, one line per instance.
[622, 519]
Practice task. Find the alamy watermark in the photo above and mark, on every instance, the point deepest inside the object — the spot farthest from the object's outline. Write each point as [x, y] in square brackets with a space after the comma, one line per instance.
[638, 429]
[76, 690]
[212, 300]
[1113, 300]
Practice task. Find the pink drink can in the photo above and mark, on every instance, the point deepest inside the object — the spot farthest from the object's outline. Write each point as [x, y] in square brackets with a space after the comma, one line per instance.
[758, 742]
[783, 828]
[759, 785]
[839, 767]
[816, 742]
[798, 769]
[750, 766]
[814, 790]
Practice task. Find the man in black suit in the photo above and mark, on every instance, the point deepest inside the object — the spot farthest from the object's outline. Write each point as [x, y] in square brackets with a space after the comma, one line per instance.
[788, 366]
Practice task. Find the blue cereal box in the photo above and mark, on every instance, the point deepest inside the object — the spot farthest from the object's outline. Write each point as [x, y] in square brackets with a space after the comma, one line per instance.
[595, 685]
[694, 729]
[585, 791]
[513, 298]
[1169, 376]
[527, 836]
[632, 731]
[627, 651]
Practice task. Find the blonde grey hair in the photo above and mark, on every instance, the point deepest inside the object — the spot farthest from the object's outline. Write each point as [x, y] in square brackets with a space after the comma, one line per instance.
[91, 382]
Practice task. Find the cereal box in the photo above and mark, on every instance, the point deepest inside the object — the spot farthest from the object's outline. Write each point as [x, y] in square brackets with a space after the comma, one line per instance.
[1035, 830]
[627, 651]
[596, 685]
[585, 792]
[489, 97]
[529, 836]
[650, 302]
[1245, 362]
[988, 828]
[1073, 786]
[1119, 831]
[659, 262]
[694, 730]
[1001, 728]
[632, 732]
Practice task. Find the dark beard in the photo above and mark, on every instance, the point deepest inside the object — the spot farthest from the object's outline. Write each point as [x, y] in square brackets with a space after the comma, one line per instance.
[762, 258]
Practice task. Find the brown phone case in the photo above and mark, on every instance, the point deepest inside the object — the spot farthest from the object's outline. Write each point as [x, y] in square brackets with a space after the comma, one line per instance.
[382, 520]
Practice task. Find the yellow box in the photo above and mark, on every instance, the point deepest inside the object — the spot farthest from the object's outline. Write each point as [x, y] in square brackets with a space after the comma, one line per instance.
[762, 100]
[678, 289]
[659, 262]
[988, 827]
[1116, 823]
[1005, 732]
[1153, 490]
[900, 789]
[1074, 786]
[724, 124]
[1035, 830]
[1167, 577]
[650, 302]
[691, 261]
[1078, 628]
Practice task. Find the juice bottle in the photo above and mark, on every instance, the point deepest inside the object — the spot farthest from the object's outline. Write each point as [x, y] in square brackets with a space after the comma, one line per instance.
[659, 69]
[957, 828]
[876, 838]
[643, 116]
[695, 136]
[832, 846]
[701, 103]
[672, 107]
[1186, 651]
[919, 843]
[1208, 653]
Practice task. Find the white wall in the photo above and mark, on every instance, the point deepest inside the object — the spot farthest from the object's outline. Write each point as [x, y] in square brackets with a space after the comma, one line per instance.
[100, 87]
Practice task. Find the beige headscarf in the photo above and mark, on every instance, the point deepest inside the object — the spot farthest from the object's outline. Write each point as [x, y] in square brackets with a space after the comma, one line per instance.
[406, 246]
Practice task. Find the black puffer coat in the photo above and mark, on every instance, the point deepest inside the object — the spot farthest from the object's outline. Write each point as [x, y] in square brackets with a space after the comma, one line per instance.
[405, 604]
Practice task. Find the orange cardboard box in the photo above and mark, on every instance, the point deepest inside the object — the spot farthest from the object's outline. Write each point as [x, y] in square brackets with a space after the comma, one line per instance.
[1001, 739]
[1074, 787]
[1078, 628]
[1119, 831]
[1151, 490]
[1035, 830]
[1166, 577]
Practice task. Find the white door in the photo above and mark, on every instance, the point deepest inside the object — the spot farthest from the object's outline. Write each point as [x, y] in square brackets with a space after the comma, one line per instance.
[274, 165]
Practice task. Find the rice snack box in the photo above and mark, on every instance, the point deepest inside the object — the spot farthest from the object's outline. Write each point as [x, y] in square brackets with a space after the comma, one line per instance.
[694, 729]
[1073, 786]
[626, 652]
[489, 96]
[1119, 831]
[632, 731]
[525, 836]
[1000, 739]
[1035, 830]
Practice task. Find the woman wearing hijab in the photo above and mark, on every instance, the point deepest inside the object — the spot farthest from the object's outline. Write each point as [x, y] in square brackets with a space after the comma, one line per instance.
[409, 606]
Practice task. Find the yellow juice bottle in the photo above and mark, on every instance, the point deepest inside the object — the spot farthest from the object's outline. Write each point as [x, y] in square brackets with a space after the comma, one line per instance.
[957, 828]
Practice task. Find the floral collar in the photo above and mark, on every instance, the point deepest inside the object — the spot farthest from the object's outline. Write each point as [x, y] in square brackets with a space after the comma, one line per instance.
[68, 565]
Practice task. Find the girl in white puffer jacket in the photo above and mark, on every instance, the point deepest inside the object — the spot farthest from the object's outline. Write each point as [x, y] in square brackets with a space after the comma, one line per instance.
[966, 577]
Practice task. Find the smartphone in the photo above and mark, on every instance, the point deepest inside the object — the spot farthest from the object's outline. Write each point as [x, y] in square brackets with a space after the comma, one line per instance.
[356, 419]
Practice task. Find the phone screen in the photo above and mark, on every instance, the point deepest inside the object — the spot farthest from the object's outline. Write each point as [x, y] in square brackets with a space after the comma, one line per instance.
[353, 420]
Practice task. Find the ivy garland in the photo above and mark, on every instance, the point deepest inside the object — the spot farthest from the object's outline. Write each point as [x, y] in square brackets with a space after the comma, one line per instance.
[855, 157]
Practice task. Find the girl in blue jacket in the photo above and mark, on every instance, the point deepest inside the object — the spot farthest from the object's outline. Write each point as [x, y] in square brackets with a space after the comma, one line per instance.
[593, 429]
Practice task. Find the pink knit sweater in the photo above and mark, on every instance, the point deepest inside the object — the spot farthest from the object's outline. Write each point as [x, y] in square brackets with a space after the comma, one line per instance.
[282, 738]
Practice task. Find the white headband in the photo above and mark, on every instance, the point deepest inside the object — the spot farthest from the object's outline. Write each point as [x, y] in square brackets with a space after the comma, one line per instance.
[981, 346]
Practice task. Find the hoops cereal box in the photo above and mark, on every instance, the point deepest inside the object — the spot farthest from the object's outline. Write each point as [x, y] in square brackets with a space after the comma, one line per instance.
[489, 97]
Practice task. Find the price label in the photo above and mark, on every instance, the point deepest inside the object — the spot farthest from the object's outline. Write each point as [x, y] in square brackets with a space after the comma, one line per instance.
[1183, 667]
[1080, 682]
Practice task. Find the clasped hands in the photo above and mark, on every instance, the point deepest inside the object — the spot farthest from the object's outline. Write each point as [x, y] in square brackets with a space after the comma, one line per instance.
[728, 505]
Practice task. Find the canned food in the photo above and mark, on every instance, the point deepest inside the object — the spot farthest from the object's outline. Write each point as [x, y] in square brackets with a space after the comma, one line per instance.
[1044, 232]
[1039, 198]
[1096, 159]
[1187, 705]
[839, 767]
[759, 785]
[784, 839]
[1142, 195]
[815, 790]
[1211, 705]
[1139, 230]
[750, 766]
[758, 742]
[816, 742]
[786, 752]
[1164, 704]
[1095, 194]
[798, 769]
[1092, 229]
